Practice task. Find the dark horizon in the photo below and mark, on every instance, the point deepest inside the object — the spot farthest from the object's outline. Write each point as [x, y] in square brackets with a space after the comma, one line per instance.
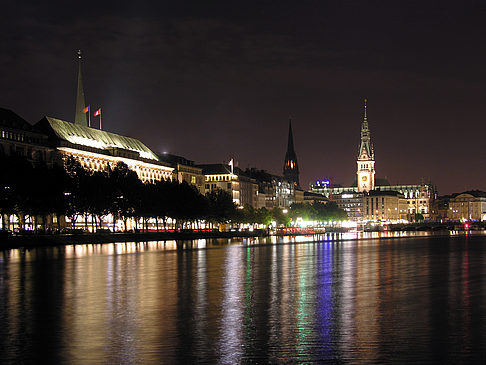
[219, 81]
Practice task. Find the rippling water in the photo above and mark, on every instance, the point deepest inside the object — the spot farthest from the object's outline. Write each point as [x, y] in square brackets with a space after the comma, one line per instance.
[396, 300]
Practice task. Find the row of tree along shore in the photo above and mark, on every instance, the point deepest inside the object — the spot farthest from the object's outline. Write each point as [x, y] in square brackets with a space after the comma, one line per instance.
[100, 199]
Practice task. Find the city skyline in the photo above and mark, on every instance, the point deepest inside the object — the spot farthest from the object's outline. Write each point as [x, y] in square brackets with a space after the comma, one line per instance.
[208, 84]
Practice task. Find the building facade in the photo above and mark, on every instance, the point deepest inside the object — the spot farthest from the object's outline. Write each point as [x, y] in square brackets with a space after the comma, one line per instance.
[468, 206]
[242, 188]
[96, 149]
[184, 170]
[384, 206]
[419, 198]
[351, 203]
[274, 190]
[18, 137]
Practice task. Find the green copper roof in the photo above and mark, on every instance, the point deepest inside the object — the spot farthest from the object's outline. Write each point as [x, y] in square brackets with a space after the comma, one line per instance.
[86, 136]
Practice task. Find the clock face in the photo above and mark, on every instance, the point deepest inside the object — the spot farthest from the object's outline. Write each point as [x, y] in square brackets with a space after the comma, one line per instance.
[364, 178]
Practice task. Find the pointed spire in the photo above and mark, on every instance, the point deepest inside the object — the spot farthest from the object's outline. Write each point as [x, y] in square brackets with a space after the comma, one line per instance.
[80, 115]
[291, 167]
[365, 118]
[365, 147]
[290, 144]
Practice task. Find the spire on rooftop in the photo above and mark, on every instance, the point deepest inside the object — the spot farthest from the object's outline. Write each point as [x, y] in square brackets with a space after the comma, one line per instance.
[291, 167]
[80, 116]
[366, 146]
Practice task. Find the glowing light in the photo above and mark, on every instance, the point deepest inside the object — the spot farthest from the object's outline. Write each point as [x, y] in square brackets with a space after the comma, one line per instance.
[323, 182]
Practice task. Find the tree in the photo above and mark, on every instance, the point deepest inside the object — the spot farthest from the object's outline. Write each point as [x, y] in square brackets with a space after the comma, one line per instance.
[221, 208]
[280, 218]
[126, 189]
[263, 216]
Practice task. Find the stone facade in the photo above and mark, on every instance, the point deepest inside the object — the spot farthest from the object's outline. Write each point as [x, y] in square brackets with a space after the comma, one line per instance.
[469, 205]
[385, 206]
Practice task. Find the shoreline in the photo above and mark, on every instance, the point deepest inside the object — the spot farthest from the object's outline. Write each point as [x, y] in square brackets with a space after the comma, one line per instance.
[34, 240]
[31, 241]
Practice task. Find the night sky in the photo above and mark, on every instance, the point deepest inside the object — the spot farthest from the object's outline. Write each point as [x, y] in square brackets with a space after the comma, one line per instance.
[212, 80]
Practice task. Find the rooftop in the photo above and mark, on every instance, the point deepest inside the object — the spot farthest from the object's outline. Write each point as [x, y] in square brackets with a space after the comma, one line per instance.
[86, 136]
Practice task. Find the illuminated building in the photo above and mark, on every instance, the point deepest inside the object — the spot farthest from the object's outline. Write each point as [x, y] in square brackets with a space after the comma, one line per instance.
[96, 149]
[291, 167]
[299, 195]
[311, 197]
[419, 197]
[351, 203]
[389, 206]
[469, 205]
[275, 191]
[242, 188]
[184, 170]
[366, 158]
[439, 210]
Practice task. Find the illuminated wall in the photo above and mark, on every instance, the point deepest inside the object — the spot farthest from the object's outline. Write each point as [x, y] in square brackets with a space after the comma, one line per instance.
[97, 162]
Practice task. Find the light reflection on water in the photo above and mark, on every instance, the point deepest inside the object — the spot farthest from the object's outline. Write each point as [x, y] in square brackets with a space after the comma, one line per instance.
[262, 300]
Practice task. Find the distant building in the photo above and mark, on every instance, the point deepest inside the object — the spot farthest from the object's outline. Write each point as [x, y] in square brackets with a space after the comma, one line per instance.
[276, 191]
[439, 210]
[311, 197]
[351, 203]
[184, 170]
[96, 149]
[469, 205]
[242, 188]
[419, 198]
[389, 206]
[299, 195]
[291, 167]
[18, 137]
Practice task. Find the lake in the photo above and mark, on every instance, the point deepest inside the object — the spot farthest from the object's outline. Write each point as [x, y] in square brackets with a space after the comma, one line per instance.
[405, 298]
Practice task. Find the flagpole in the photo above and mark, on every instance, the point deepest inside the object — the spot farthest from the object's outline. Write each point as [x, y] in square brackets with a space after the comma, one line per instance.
[100, 118]
[89, 117]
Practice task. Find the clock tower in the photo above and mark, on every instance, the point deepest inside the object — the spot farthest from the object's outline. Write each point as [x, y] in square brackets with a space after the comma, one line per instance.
[366, 158]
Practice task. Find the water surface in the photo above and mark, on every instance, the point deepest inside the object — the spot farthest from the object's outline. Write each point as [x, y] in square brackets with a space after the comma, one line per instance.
[397, 300]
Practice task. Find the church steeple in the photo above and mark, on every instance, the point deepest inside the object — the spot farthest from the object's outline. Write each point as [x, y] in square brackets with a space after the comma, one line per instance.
[291, 167]
[366, 157]
[80, 115]
[366, 147]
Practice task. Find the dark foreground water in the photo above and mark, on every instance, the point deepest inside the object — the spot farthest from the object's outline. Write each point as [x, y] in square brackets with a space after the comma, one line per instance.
[415, 300]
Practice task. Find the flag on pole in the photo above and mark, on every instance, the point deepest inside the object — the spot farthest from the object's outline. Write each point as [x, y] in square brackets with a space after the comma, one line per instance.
[231, 164]
[85, 110]
[98, 113]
